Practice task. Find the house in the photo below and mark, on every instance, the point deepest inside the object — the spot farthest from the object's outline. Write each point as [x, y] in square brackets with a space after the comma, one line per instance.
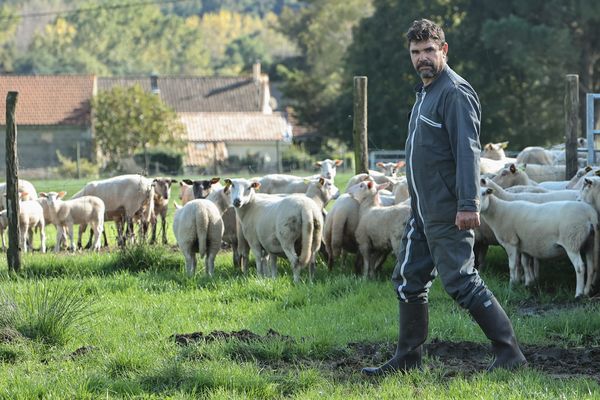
[53, 114]
[228, 119]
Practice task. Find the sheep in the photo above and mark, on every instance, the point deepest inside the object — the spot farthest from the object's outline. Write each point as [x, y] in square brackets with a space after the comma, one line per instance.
[287, 184]
[162, 192]
[380, 229]
[379, 179]
[512, 176]
[124, 194]
[185, 192]
[278, 225]
[533, 229]
[495, 151]
[389, 168]
[26, 192]
[198, 228]
[82, 210]
[3, 226]
[556, 195]
[544, 173]
[339, 231]
[202, 187]
[31, 215]
[535, 155]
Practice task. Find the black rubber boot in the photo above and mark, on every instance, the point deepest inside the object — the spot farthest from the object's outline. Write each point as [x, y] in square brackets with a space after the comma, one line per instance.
[497, 327]
[414, 322]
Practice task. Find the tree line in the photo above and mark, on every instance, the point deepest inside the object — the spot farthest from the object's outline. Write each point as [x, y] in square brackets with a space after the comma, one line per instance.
[515, 54]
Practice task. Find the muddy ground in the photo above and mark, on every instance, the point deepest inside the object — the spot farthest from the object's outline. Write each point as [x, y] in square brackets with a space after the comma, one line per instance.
[455, 358]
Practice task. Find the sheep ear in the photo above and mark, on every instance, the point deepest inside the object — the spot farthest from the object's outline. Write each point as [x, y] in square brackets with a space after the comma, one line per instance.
[321, 181]
[172, 181]
[597, 173]
[504, 144]
[488, 146]
[42, 194]
[587, 182]
[338, 162]
[318, 164]
[227, 182]
[379, 164]
[489, 191]
[62, 194]
[255, 185]
[588, 168]
[188, 181]
[483, 182]
[400, 164]
[512, 168]
[177, 206]
[214, 180]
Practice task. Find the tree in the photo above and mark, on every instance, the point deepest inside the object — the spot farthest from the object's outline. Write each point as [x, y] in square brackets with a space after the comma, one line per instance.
[127, 120]
[322, 32]
[8, 28]
[514, 53]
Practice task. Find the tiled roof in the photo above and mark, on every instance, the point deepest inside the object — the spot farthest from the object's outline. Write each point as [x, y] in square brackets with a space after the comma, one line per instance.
[194, 94]
[49, 99]
[201, 154]
[226, 127]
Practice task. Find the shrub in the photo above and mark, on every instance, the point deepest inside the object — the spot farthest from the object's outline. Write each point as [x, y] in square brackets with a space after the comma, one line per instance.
[68, 167]
[162, 161]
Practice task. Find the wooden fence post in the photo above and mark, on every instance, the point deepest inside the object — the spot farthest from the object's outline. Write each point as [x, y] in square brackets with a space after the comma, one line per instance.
[12, 181]
[359, 129]
[571, 124]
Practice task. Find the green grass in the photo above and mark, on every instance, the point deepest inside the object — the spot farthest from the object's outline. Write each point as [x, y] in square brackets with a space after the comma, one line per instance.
[141, 296]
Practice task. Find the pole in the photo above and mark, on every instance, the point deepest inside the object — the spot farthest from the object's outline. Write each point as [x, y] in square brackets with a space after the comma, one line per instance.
[12, 181]
[571, 124]
[78, 159]
[359, 129]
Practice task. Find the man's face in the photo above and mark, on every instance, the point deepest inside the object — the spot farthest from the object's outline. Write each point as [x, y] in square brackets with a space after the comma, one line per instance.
[428, 58]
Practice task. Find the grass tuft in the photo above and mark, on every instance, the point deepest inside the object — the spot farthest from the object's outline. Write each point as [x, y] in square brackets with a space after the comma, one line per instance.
[49, 313]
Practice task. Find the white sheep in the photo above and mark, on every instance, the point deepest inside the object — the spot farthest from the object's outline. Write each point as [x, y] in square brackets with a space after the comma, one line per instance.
[339, 231]
[88, 210]
[276, 226]
[185, 192]
[3, 226]
[287, 184]
[533, 229]
[535, 155]
[125, 195]
[31, 216]
[380, 229]
[198, 228]
[556, 195]
[495, 151]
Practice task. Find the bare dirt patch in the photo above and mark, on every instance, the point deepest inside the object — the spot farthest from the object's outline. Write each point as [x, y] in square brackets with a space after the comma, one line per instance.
[455, 358]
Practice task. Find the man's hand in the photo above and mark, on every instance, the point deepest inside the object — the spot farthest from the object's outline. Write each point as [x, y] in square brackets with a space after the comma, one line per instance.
[467, 220]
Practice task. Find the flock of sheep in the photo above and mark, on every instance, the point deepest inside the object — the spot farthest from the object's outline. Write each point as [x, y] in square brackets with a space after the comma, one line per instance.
[526, 207]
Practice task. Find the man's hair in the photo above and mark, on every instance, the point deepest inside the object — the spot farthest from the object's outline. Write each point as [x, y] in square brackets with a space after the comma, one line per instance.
[423, 30]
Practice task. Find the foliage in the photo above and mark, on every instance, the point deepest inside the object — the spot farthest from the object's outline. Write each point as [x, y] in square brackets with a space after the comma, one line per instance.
[515, 55]
[295, 157]
[322, 32]
[68, 167]
[127, 120]
[49, 313]
[8, 28]
[168, 161]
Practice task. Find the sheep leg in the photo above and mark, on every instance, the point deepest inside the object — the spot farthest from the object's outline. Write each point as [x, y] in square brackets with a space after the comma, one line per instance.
[526, 262]
[589, 260]
[273, 262]
[164, 229]
[98, 230]
[59, 236]
[43, 237]
[579, 267]
[71, 240]
[513, 262]
[366, 255]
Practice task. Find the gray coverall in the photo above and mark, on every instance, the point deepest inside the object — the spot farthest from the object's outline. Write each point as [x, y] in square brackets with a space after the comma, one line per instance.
[442, 169]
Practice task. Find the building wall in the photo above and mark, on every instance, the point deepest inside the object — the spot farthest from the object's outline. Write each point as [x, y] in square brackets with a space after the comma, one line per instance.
[37, 145]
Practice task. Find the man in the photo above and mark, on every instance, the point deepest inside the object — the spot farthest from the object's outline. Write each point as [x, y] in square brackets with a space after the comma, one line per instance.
[442, 168]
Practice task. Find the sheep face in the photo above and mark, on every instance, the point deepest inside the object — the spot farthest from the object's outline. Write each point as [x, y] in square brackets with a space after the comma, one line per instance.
[329, 190]
[201, 188]
[590, 192]
[486, 193]
[242, 191]
[329, 167]
[391, 168]
[162, 187]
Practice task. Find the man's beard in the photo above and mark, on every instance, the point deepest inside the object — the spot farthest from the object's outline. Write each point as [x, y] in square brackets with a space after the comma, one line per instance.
[430, 73]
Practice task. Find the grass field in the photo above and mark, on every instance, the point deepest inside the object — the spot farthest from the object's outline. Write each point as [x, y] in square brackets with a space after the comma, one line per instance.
[102, 325]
